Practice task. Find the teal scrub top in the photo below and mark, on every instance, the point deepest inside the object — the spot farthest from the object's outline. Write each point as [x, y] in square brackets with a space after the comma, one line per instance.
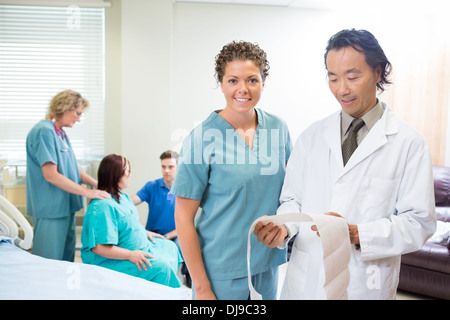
[236, 185]
[117, 223]
[44, 200]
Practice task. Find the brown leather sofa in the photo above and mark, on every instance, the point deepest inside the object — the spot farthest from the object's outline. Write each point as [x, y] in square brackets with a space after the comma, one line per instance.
[427, 271]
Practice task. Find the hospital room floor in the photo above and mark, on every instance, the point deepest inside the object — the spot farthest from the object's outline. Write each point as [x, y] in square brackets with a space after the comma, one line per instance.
[401, 295]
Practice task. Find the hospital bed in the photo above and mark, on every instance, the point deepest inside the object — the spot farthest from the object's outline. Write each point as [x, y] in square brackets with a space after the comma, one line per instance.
[27, 276]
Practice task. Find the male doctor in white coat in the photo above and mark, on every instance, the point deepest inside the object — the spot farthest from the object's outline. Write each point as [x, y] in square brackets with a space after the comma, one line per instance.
[384, 192]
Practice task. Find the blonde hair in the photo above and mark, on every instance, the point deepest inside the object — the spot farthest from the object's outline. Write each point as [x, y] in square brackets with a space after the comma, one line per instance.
[65, 101]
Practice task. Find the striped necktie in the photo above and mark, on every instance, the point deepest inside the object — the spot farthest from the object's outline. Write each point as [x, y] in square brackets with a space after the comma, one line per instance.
[350, 144]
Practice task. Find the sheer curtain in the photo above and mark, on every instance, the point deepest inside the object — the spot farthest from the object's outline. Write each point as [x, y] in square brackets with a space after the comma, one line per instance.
[421, 76]
[44, 50]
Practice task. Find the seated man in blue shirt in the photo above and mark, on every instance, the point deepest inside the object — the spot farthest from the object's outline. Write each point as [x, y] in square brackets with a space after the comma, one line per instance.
[161, 203]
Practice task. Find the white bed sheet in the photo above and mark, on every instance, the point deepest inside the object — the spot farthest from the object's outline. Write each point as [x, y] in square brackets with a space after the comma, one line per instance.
[28, 277]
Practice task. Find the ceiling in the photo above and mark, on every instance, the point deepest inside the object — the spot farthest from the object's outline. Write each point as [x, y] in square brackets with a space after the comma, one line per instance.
[336, 4]
[316, 4]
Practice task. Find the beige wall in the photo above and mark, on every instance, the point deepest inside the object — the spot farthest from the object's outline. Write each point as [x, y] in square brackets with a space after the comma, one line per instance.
[138, 82]
[160, 68]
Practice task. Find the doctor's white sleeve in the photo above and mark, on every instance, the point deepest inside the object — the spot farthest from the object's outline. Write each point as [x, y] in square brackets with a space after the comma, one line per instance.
[291, 192]
[414, 220]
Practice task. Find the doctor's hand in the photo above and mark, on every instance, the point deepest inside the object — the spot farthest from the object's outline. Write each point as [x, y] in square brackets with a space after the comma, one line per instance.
[270, 234]
[352, 228]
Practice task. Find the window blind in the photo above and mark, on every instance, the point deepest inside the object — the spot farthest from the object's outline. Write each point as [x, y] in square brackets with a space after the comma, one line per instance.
[45, 50]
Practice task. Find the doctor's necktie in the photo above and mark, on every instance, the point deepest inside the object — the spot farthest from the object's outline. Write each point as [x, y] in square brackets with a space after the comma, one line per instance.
[350, 144]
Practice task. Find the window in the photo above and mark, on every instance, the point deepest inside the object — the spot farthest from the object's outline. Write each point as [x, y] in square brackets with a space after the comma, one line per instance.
[44, 50]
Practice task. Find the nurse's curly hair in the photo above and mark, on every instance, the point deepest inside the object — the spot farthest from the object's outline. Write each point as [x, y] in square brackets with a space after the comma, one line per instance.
[64, 101]
[110, 170]
[241, 50]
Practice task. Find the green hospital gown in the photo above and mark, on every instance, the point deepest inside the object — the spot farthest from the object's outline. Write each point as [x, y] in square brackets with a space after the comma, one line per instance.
[108, 222]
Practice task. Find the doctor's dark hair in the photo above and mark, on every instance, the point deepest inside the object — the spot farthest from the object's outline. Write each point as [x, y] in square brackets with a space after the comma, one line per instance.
[243, 51]
[110, 170]
[363, 41]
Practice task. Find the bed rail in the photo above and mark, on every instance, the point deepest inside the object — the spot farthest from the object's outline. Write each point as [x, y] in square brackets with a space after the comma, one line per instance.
[9, 226]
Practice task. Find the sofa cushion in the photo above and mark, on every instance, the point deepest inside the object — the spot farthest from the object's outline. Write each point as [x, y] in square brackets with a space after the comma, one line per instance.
[443, 214]
[425, 282]
[431, 257]
[442, 185]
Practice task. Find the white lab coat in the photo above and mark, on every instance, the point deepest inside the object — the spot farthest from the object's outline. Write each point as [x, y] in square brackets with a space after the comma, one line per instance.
[386, 188]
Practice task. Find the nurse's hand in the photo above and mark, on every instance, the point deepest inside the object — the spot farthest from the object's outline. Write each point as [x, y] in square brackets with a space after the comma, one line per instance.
[205, 295]
[270, 234]
[51, 175]
[97, 194]
[139, 258]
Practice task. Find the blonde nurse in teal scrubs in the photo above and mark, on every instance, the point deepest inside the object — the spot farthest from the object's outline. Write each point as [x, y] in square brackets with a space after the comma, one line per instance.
[232, 166]
[53, 184]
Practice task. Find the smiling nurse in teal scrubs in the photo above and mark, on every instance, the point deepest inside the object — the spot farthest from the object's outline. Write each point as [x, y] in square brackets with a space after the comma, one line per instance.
[232, 166]
[53, 184]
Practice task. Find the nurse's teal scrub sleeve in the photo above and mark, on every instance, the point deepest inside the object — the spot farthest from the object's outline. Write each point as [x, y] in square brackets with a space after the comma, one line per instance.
[44, 200]
[108, 222]
[51, 208]
[236, 185]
